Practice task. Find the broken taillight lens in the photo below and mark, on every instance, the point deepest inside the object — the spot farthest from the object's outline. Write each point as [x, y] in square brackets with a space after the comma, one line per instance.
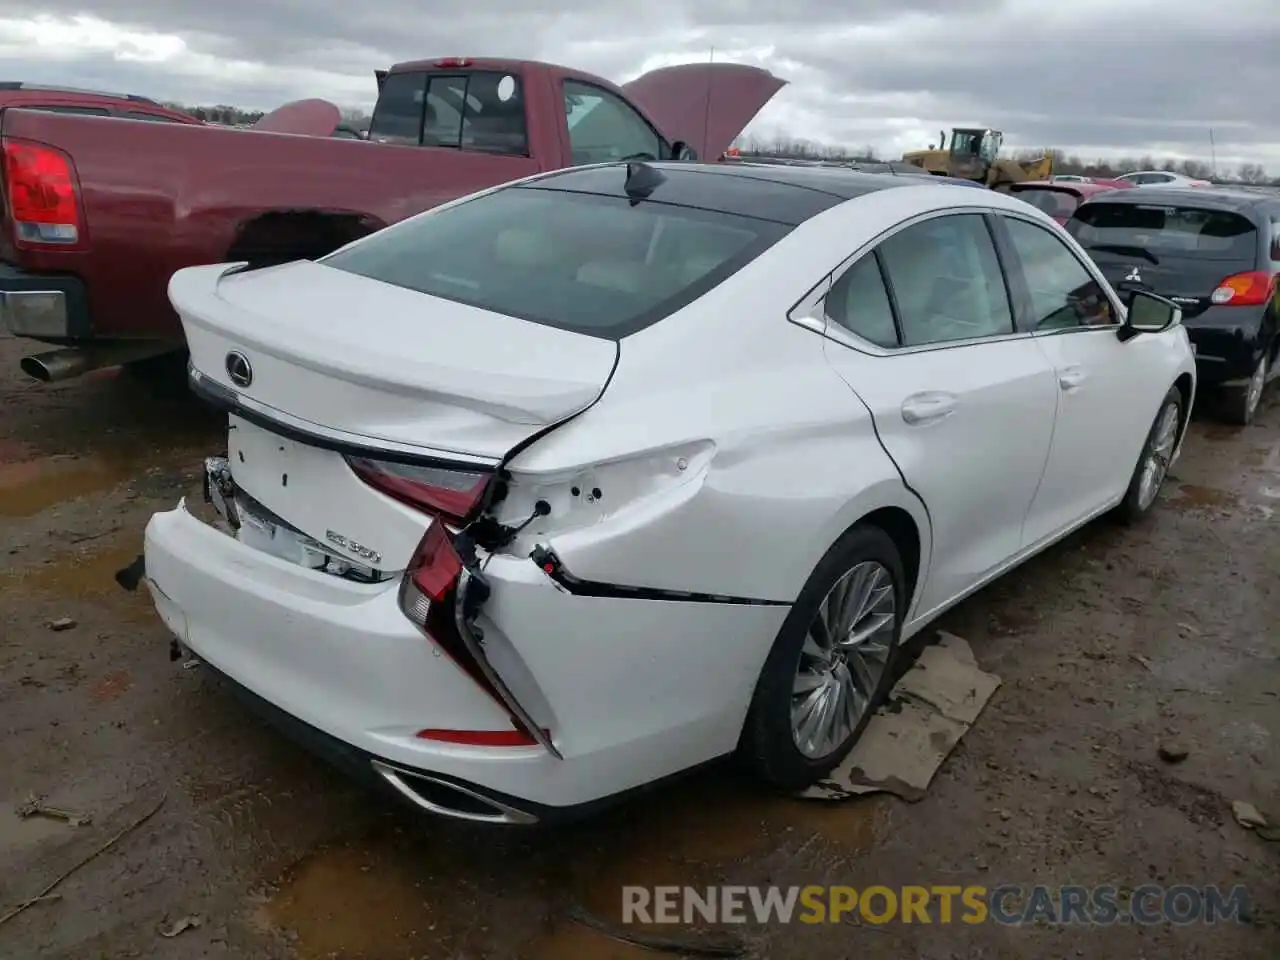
[451, 494]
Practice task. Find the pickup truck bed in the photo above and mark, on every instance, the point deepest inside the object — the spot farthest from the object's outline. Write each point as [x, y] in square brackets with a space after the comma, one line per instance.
[99, 213]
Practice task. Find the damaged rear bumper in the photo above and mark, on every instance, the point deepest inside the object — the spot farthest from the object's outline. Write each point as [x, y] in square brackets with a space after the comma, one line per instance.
[632, 690]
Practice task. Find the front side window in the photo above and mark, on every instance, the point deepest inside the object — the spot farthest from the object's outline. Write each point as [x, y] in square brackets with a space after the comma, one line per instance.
[603, 127]
[946, 281]
[1063, 294]
[591, 264]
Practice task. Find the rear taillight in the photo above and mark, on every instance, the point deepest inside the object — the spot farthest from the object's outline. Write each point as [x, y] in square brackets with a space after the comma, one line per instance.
[429, 598]
[1250, 289]
[452, 494]
[40, 183]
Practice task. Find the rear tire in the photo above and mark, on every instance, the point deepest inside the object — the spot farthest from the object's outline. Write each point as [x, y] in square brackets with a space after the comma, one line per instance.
[784, 739]
[1153, 464]
[1240, 404]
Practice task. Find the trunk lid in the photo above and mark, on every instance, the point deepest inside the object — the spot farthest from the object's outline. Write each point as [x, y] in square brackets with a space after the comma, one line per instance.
[707, 105]
[391, 367]
[339, 365]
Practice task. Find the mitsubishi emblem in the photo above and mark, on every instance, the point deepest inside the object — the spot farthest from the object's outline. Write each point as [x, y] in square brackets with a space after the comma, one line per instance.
[239, 370]
[1134, 275]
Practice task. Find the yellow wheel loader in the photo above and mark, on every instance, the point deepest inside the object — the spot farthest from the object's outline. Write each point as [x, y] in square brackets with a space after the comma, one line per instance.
[974, 154]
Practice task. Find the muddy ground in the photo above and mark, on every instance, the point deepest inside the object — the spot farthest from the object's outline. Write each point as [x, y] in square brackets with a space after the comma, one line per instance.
[1109, 645]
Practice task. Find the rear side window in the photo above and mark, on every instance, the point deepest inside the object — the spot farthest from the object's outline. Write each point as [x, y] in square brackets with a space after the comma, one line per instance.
[1176, 232]
[68, 108]
[480, 110]
[156, 117]
[859, 302]
[592, 264]
[397, 117]
[1056, 203]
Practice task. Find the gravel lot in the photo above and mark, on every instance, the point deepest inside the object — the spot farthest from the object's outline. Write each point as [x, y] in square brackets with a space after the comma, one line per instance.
[1110, 645]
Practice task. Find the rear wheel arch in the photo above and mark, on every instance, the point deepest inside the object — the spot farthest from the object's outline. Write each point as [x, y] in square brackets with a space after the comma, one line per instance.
[282, 236]
[905, 534]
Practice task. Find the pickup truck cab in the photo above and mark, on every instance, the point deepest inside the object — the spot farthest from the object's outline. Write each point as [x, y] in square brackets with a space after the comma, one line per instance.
[97, 214]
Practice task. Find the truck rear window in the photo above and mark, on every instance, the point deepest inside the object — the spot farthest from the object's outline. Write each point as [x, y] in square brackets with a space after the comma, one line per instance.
[592, 264]
[480, 110]
[1167, 231]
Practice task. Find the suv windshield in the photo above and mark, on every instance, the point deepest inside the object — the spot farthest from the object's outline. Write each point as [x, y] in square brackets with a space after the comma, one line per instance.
[1166, 231]
[592, 264]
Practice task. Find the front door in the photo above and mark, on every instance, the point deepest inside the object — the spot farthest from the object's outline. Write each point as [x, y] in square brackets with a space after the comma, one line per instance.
[962, 403]
[1108, 394]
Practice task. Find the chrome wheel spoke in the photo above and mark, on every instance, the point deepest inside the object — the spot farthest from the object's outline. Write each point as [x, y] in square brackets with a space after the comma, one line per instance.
[843, 657]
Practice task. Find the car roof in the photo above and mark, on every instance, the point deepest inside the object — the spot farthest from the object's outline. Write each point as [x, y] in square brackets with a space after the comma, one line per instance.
[784, 194]
[1214, 198]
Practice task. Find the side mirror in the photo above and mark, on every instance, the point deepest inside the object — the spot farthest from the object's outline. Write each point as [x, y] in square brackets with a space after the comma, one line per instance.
[1148, 313]
[682, 151]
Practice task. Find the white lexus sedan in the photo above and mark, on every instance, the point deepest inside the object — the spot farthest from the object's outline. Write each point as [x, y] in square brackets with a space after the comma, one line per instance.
[577, 483]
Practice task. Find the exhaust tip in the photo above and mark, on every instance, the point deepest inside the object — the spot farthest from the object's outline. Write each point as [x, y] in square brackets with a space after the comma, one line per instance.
[35, 368]
[452, 800]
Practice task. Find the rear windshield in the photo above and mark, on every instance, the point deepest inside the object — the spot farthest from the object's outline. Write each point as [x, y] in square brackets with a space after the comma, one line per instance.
[1172, 231]
[592, 264]
[1056, 203]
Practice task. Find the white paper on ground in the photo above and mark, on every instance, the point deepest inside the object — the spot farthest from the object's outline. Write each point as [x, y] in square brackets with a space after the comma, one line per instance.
[932, 707]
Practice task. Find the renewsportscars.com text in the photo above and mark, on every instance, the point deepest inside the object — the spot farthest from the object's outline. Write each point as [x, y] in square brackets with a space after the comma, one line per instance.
[1009, 904]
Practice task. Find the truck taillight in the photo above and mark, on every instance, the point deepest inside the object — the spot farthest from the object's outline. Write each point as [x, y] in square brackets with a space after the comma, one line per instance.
[451, 494]
[40, 183]
[1251, 289]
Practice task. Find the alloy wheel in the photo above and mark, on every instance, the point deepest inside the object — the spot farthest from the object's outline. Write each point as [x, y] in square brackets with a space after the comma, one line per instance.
[1256, 382]
[1155, 466]
[843, 659]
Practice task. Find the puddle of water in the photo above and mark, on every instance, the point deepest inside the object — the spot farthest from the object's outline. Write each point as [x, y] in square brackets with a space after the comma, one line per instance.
[434, 888]
[29, 486]
[370, 901]
[87, 575]
[1190, 496]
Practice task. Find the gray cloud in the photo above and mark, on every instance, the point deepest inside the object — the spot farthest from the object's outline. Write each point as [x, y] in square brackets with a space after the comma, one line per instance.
[1083, 75]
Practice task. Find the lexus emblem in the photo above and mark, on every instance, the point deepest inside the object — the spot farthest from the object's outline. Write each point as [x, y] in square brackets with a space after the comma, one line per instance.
[1133, 275]
[239, 370]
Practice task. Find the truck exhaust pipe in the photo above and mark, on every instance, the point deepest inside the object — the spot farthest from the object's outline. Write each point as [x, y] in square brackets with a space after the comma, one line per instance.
[68, 362]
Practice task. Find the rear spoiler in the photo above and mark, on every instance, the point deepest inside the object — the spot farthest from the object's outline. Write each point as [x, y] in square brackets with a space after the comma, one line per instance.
[381, 77]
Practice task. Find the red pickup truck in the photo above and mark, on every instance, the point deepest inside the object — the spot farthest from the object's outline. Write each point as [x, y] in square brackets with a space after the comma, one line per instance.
[97, 214]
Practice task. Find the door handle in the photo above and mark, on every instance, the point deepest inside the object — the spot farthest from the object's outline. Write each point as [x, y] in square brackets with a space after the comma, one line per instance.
[928, 407]
[1070, 378]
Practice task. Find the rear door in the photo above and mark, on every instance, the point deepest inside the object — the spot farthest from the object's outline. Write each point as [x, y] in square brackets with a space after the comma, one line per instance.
[922, 331]
[1108, 391]
[1180, 251]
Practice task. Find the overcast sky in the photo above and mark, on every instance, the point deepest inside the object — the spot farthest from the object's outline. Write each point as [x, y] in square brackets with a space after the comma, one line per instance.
[1090, 77]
